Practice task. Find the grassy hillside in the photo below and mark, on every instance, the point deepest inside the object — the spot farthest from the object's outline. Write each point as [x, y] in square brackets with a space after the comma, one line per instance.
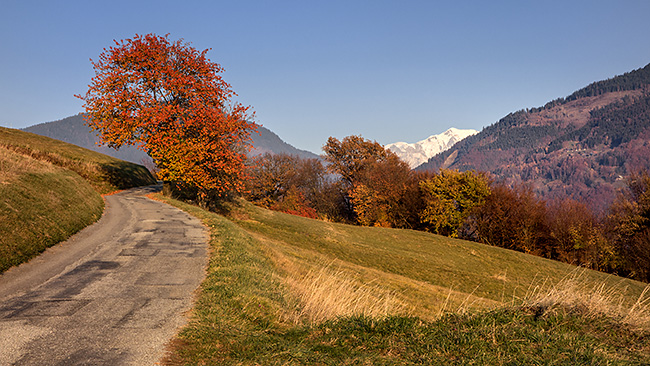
[282, 289]
[50, 190]
[73, 130]
[106, 174]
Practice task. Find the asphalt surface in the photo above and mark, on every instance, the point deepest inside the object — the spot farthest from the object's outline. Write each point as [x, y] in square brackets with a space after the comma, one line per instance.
[114, 294]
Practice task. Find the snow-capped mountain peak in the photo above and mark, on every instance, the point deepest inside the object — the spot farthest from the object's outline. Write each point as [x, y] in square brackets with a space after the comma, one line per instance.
[420, 152]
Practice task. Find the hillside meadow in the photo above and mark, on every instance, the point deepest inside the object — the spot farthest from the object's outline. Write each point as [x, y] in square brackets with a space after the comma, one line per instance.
[287, 290]
[50, 189]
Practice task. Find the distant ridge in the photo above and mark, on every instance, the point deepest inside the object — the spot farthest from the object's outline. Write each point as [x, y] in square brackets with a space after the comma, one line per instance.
[420, 152]
[268, 142]
[72, 130]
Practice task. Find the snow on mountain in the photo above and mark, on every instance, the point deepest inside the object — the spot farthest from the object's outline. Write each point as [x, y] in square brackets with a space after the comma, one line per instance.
[420, 152]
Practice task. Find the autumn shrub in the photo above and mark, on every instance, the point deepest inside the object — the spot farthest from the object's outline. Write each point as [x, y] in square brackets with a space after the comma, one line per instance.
[450, 197]
[294, 203]
[286, 183]
[378, 191]
[628, 227]
[511, 218]
[350, 156]
[576, 236]
[349, 159]
[375, 188]
[412, 202]
[331, 203]
[271, 176]
[565, 230]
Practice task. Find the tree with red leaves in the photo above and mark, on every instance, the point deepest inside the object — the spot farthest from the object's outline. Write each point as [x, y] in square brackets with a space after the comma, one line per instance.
[169, 99]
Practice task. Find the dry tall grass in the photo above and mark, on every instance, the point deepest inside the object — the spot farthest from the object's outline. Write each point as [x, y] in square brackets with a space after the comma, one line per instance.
[86, 169]
[13, 164]
[328, 294]
[576, 294]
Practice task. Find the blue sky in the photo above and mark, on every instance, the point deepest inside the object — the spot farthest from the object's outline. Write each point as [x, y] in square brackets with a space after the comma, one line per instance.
[387, 70]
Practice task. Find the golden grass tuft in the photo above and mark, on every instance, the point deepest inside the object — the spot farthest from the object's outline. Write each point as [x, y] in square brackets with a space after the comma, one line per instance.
[13, 164]
[89, 170]
[324, 290]
[328, 294]
[575, 293]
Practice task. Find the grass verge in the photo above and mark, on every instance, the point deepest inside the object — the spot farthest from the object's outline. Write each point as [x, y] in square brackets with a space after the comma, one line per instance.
[268, 272]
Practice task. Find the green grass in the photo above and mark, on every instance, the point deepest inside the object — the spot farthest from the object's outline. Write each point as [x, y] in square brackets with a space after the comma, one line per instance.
[274, 282]
[504, 336]
[50, 189]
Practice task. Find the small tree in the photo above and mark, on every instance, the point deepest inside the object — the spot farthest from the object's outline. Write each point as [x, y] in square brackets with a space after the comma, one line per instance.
[371, 178]
[169, 99]
[628, 225]
[450, 197]
[350, 157]
[378, 193]
[575, 235]
[286, 183]
[272, 175]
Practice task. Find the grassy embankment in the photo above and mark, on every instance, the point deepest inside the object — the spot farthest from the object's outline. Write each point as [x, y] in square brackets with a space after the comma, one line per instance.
[285, 290]
[50, 189]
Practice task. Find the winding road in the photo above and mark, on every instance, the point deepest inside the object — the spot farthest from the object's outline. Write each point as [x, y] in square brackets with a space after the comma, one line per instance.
[113, 294]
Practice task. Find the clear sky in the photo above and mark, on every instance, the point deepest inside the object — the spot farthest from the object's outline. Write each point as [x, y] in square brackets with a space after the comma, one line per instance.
[387, 70]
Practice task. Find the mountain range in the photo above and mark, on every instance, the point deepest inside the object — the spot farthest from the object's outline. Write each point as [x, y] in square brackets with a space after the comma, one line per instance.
[420, 152]
[581, 146]
[73, 130]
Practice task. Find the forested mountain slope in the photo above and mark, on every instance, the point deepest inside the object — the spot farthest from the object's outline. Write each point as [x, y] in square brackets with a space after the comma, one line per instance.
[579, 146]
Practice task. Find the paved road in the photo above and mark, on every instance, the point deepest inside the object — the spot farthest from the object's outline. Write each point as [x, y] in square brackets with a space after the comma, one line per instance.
[113, 294]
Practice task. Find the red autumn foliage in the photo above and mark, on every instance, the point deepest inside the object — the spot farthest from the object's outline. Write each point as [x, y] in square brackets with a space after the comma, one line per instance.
[286, 183]
[170, 100]
[295, 203]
